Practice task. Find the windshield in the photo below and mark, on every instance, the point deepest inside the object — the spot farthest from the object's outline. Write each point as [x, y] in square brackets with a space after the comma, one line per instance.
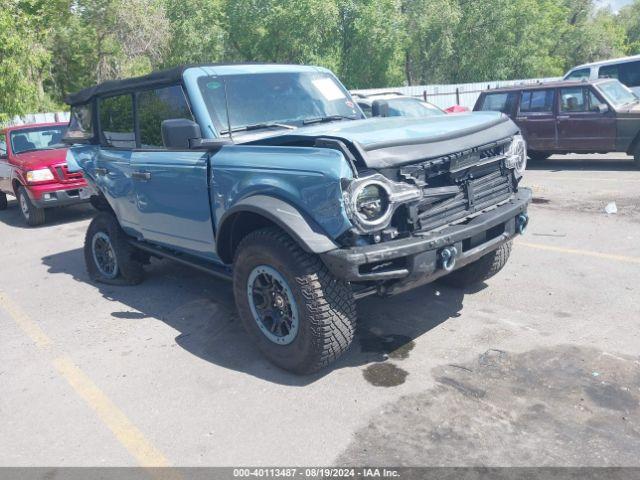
[286, 99]
[45, 138]
[617, 93]
[412, 107]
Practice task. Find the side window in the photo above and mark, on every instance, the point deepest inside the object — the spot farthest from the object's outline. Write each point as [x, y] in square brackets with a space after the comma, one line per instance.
[595, 104]
[366, 109]
[630, 74]
[499, 102]
[572, 100]
[609, 71]
[579, 74]
[81, 122]
[155, 106]
[537, 101]
[116, 121]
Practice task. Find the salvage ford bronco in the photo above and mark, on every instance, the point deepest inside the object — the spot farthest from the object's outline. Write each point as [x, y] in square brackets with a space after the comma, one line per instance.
[270, 176]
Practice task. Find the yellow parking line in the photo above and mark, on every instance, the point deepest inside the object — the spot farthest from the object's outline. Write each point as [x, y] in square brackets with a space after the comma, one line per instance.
[125, 431]
[587, 253]
[28, 326]
[129, 436]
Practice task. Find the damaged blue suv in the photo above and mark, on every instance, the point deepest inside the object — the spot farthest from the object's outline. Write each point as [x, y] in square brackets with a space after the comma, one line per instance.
[270, 176]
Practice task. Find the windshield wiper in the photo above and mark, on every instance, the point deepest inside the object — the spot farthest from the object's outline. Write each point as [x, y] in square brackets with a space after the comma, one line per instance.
[328, 118]
[259, 126]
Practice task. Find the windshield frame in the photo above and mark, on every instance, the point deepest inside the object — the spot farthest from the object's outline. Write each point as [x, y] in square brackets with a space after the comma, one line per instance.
[22, 131]
[611, 100]
[218, 122]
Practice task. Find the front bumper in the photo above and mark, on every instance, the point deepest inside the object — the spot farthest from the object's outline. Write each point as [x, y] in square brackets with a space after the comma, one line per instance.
[400, 265]
[58, 195]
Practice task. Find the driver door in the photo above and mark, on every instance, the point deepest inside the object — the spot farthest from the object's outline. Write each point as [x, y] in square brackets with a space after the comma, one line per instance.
[171, 186]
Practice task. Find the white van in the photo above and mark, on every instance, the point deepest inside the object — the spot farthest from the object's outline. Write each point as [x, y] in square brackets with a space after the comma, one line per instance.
[626, 69]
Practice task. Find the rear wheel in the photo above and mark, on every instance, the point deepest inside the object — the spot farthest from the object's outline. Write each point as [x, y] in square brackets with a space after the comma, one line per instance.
[108, 255]
[301, 317]
[636, 159]
[33, 215]
[539, 156]
[3, 201]
[480, 270]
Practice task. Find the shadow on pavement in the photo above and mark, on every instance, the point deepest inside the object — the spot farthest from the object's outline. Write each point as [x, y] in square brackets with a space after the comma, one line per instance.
[202, 309]
[54, 216]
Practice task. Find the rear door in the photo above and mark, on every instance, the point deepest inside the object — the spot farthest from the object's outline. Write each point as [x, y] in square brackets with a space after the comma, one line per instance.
[585, 122]
[536, 119]
[171, 186]
[113, 161]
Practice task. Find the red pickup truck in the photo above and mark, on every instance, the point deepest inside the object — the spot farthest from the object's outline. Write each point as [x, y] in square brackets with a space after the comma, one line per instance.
[33, 168]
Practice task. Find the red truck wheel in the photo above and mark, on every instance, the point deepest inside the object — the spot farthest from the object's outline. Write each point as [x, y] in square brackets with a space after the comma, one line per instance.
[33, 215]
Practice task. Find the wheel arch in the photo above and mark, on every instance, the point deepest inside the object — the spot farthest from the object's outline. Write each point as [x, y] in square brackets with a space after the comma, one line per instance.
[633, 146]
[262, 211]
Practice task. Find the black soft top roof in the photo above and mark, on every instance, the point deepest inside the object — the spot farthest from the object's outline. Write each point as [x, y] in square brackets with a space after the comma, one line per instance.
[113, 87]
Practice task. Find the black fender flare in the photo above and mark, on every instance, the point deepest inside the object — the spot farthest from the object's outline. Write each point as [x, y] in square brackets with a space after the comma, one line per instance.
[306, 232]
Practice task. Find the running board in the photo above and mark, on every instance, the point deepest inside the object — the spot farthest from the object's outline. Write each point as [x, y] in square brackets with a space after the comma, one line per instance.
[185, 259]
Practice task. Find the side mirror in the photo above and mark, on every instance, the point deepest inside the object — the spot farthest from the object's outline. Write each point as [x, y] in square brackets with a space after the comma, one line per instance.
[380, 108]
[180, 132]
[600, 108]
[185, 134]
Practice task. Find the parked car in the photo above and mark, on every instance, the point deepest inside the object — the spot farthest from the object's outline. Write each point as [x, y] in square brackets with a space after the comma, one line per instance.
[33, 168]
[394, 104]
[626, 70]
[588, 116]
[270, 176]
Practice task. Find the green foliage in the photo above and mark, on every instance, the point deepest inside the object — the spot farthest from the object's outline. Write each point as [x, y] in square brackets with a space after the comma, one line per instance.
[49, 48]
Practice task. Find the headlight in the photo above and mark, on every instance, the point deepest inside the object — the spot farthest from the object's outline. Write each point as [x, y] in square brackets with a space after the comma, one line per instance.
[42, 175]
[516, 156]
[371, 201]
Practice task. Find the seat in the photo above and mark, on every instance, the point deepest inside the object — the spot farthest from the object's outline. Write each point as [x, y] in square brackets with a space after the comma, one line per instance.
[21, 143]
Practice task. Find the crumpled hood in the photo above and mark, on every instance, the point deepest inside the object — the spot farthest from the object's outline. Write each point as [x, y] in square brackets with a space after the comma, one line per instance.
[395, 141]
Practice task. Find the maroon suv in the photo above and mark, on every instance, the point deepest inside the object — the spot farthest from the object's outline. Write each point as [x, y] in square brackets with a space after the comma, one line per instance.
[585, 116]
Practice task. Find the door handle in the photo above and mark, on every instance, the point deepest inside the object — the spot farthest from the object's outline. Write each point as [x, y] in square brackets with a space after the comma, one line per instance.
[101, 170]
[563, 117]
[142, 176]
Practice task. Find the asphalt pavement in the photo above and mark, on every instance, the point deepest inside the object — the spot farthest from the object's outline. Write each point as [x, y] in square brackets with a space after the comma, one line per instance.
[539, 366]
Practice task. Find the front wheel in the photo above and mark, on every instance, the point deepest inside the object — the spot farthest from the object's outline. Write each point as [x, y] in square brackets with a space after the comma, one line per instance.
[3, 201]
[482, 269]
[33, 215]
[301, 317]
[109, 257]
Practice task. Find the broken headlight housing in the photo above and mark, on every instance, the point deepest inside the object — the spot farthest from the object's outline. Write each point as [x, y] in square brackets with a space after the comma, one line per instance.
[371, 201]
[516, 156]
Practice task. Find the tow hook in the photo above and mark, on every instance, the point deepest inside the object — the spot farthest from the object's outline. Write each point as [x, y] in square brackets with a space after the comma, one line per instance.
[522, 221]
[448, 258]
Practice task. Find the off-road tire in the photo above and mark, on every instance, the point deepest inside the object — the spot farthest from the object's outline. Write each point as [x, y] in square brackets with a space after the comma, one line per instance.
[538, 156]
[482, 269]
[3, 201]
[130, 270]
[326, 306]
[34, 216]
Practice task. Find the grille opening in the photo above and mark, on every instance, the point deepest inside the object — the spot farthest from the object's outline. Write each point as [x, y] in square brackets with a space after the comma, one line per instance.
[379, 267]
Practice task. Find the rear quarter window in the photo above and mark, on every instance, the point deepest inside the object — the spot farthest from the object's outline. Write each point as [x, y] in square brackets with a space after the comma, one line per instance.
[81, 122]
[579, 74]
[499, 102]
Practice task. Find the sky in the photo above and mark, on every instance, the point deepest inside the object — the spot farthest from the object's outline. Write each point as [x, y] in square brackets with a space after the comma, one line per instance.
[615, 4]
